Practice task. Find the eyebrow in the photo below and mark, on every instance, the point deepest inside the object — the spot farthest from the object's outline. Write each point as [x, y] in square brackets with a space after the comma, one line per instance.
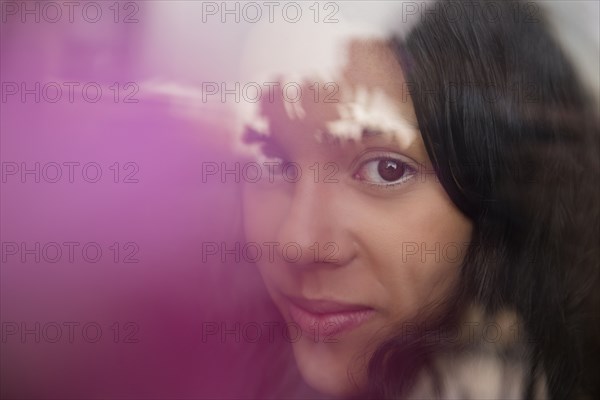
[367, 133]
[271, 143]
[370, 132]
[335, 139]
[251, 135]
[414, 146]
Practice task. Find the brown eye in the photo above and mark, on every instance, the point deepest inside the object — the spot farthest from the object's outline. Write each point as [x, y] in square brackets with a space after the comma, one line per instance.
[390, 170]
[384, 171]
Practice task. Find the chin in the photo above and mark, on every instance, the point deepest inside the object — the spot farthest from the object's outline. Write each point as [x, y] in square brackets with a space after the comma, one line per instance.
[327, 367]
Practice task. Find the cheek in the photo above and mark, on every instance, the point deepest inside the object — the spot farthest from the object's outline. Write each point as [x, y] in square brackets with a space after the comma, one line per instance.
[417, 248]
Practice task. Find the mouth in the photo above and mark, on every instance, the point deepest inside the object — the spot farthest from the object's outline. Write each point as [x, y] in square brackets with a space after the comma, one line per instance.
[326, 318]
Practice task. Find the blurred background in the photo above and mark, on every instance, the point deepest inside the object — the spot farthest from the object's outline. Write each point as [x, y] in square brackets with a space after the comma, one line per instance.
[106, 288]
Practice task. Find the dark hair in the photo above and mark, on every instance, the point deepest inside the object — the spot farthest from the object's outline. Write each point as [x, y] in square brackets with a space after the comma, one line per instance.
[513, 138]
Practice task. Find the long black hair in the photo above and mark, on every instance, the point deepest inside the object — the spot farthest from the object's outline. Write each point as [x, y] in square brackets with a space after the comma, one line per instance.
[513, 137]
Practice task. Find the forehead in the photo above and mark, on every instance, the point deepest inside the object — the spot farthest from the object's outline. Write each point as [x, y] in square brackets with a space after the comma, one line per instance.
[368, 98]
[351, 79]
[349, 54]
[374, 65]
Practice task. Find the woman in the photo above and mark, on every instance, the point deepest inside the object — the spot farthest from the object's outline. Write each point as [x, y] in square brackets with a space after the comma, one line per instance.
[442, 215]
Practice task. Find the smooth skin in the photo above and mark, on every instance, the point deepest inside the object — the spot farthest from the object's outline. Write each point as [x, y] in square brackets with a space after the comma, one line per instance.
[386, 231]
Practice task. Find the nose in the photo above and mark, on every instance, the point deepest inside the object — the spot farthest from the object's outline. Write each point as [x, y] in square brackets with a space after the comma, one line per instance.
[315, 231]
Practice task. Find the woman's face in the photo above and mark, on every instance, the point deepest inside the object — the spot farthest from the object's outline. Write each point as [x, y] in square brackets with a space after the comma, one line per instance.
[366, 237]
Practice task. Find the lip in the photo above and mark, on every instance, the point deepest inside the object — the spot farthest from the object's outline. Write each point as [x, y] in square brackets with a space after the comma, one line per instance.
[323, 319]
